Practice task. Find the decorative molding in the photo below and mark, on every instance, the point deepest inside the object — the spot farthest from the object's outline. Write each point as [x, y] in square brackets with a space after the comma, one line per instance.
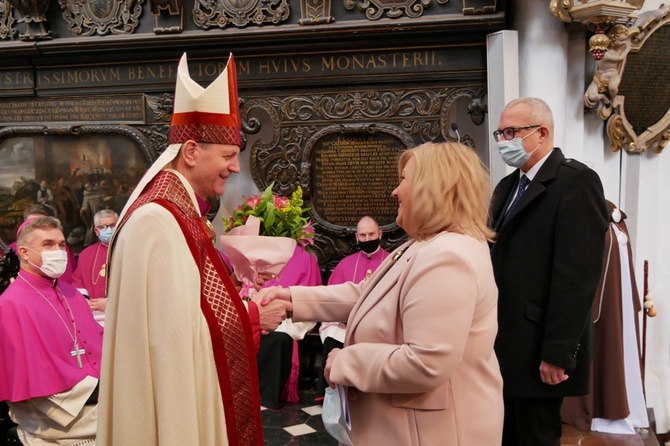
[158, 136]
[88, 17]
[33, 14]
[375, 9]
[161, 106]
[594, 11]
[597, 16]
[315, 12]
[169, 15]
[476, 98]
[478, 110]
[250, 126]
[479, 7]
[422, 113]
[634, 69]
[7, 30]
[239, 13]
[358, 105]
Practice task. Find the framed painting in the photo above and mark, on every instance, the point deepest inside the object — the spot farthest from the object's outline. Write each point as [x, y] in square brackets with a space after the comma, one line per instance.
[73, 175]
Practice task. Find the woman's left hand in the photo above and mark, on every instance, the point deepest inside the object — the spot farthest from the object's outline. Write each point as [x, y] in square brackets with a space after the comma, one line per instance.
[329, 365]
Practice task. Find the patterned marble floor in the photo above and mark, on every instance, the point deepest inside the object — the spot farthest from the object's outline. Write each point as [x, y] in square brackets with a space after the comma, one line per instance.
[296, 424]
[300, 425]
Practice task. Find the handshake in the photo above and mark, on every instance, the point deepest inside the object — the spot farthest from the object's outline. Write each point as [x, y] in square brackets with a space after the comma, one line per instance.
[274, 305]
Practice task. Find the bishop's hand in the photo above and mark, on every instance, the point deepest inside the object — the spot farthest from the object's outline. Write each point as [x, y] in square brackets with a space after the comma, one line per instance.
[272, 313]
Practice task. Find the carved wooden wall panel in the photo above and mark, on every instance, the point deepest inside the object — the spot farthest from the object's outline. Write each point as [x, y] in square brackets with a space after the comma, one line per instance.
[36, 20]
[88, 17]
[300, 127]
[318, 79]
[240, 13]
[7, 30]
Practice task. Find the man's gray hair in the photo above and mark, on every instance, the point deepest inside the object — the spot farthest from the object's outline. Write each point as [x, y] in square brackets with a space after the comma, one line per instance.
[538, 111]
[103, 214]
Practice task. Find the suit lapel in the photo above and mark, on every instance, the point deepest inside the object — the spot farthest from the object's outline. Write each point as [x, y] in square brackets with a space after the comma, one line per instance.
[502, 198]
[536, 187]
[381, 281]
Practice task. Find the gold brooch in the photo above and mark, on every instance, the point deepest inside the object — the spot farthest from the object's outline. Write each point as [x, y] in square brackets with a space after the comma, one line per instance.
[397, 255]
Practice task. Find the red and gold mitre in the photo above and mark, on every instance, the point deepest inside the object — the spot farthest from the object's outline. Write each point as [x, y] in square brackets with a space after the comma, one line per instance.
[206, 115]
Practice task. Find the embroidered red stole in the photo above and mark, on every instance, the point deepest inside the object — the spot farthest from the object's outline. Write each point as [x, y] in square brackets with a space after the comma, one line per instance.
[227, 318]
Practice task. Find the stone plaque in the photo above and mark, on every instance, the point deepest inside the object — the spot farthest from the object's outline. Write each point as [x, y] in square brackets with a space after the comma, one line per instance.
[125, 109]
[646, 75]
[353, 175]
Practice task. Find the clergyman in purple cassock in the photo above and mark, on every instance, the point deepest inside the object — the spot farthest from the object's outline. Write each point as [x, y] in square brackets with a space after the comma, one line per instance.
[90, 277]
[50, 345]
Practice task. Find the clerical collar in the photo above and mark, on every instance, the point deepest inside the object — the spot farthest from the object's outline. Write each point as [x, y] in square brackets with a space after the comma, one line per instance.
[203, 205]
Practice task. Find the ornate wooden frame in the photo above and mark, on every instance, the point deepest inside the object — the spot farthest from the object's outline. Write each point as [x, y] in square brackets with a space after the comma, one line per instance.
[628, 77]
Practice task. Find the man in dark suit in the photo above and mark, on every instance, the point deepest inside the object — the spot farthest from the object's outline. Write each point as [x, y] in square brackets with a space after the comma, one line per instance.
[547, 259]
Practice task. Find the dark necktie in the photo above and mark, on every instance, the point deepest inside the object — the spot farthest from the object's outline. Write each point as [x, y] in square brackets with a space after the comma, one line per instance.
[523, 184]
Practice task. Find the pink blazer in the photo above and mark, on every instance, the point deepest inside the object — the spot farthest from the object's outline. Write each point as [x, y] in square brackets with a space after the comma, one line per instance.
[418, 359]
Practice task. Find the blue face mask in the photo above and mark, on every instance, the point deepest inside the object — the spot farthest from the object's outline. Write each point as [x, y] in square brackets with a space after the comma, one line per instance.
[513, 152]
[106, 235]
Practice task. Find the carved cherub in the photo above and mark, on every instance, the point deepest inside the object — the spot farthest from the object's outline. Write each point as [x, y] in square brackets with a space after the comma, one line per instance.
[607, 78]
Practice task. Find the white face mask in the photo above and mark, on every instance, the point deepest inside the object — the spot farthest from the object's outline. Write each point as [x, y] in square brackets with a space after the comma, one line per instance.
[513, 153]
[54, 263]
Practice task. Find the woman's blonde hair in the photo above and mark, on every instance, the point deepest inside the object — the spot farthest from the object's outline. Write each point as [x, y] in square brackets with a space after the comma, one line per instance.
[450, 191]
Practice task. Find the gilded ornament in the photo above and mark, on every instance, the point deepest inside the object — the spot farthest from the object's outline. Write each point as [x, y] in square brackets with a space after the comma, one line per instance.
[598, 45]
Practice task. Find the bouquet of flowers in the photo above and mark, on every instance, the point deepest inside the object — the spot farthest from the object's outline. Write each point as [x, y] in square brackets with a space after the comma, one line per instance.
[279, 216]
[262, 234]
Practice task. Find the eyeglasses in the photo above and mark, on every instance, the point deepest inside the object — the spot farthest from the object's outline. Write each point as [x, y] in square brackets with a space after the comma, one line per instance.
[509, 132]
[103, 227]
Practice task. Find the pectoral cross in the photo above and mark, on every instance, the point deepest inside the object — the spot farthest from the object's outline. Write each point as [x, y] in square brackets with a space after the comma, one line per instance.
[78, 352]
[210, 229]
[368, 273]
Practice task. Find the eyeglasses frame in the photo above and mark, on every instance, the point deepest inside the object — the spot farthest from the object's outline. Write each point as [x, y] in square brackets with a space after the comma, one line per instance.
[498, 133]
[101, 227]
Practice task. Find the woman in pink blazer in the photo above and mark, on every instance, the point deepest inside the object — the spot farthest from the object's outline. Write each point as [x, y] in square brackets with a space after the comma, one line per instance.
[418, 360]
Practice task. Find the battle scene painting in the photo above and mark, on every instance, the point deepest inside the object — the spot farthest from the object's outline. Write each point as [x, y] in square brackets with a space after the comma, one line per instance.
[72, 176]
